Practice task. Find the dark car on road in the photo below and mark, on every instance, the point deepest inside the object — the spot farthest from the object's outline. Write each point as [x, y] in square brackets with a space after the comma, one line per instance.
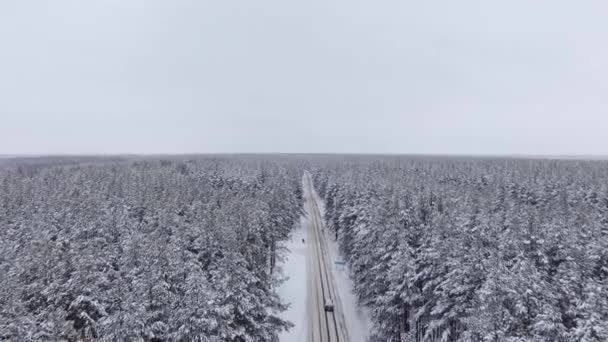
[329, 305]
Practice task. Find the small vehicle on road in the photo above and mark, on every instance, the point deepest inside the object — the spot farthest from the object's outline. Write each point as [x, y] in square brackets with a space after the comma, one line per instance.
[329, 305]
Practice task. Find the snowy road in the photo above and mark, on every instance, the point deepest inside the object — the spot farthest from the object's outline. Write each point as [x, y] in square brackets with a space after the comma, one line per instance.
[312, 277]
[323, 325]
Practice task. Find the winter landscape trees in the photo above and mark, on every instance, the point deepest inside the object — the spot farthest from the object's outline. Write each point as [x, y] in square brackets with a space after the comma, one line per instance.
[439, 249]
[474, 250]
[148, 250]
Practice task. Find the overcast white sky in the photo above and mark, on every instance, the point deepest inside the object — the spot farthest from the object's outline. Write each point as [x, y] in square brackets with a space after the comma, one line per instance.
[142, 76]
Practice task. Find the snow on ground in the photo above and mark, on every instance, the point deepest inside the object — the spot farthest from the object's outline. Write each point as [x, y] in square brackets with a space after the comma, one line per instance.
[293, 291]
[357, 318]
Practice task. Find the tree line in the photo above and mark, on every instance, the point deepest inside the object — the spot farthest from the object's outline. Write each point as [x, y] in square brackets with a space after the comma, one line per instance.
[144, 250]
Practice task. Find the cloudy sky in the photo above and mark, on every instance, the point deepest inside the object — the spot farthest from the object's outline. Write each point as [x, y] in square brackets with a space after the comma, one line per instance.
[145, 76]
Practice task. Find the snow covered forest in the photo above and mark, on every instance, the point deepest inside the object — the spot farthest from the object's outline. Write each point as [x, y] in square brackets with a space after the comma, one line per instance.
[473, 249]
[187, 249]
[144, 250]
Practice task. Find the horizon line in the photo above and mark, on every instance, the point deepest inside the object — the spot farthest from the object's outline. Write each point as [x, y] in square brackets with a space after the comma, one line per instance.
[405, 154]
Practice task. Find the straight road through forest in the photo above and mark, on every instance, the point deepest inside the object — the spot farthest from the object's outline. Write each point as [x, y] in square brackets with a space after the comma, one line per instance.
[323, 325]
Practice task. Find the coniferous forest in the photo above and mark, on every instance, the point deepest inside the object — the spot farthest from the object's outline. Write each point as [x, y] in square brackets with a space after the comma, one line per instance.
[179, 249]
[474, 249]
[144, 250]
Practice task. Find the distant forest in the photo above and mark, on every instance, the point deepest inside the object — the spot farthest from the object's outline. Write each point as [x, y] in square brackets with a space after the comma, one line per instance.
[186, 248]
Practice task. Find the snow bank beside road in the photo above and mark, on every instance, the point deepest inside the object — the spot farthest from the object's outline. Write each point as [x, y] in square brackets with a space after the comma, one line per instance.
[293, 291]
[358, 318]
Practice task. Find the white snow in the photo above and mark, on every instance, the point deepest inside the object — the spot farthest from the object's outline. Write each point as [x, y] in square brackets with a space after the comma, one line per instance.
[293, 291]
[357, 318]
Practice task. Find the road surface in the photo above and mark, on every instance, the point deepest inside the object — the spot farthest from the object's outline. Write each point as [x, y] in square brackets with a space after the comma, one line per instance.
[323, 326]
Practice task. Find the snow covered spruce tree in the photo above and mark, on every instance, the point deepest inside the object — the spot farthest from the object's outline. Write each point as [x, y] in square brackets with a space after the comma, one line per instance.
[152, 250]
[474, 250]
